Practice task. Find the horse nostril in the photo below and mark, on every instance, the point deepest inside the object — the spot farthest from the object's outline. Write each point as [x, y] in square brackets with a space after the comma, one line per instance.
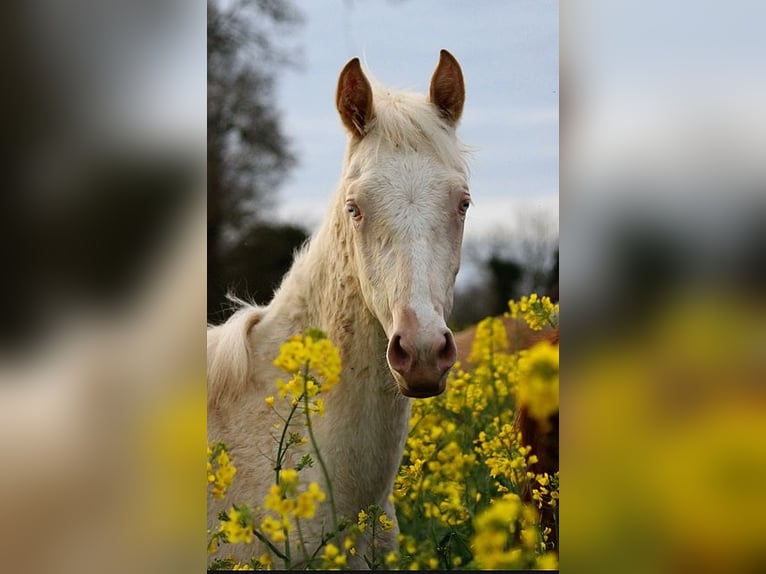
[398, 357]
[447, 354]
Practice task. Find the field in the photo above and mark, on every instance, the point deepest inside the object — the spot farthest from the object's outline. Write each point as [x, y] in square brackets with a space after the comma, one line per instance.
[470, 493]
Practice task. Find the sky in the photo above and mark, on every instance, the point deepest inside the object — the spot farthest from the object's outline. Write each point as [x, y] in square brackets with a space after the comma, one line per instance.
[509, 54]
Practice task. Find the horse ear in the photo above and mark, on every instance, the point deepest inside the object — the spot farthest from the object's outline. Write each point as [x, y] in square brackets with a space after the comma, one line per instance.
[447, 91]
[354, 99]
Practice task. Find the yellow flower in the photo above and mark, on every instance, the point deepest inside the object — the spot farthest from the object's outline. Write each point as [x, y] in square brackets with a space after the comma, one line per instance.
[288, 477]
[548, 561]
[538, 387]
[536, 312]
[313, 353]
[385, 522]
[348, 544]
[497, 531]
[238, 527]
[333, 558]
[363, 518]
[212, 545]
[490, 339]
[273, 528]
[220, 470]
[306, 503]
[265, 560]
[270, 400]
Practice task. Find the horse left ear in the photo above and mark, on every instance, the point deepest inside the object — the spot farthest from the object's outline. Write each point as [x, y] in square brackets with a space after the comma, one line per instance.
[353, 99]
[447, 91]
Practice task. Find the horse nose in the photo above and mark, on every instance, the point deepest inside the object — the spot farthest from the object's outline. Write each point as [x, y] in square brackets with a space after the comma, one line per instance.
[422, 365]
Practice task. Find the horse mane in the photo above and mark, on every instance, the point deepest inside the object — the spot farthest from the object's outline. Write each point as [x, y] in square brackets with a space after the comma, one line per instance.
[407, 120]
[228, 353]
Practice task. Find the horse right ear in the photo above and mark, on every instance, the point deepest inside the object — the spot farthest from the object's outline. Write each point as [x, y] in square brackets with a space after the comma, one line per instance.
[354, 99]
[447, 90]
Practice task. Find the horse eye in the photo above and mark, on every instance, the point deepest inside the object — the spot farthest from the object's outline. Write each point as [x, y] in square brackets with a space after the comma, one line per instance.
[353, 210]
[465, 205]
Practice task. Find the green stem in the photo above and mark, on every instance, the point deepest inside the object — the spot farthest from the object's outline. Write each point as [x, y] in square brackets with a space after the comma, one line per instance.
[320, 460]
[322, 543]
[288, 556]
[271, 547]
[372, 540]
[280, 451]
[303, 546]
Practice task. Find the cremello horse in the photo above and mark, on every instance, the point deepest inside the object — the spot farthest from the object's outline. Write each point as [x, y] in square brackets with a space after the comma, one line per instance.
[378, 278]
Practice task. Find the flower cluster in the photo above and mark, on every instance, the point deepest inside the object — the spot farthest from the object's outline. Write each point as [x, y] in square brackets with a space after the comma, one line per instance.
[538, 387]
[536, 311]
[466, 494]
[546, 492]
[490, 340]
[504, 456]
[237, 525]
[333, 558]
[506, 537]
[220, 471]
[287, 501]
[309, 358]
[373, 517]
[465, 463]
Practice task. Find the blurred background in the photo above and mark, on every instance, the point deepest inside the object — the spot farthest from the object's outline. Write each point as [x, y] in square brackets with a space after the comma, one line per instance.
[663, 274]
[107, 243]
[102, 336]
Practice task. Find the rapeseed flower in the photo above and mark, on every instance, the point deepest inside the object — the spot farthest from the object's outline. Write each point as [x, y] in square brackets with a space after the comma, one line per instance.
[238, 525]
[306, 503]
[333, 558]
[385, 522]
[362, 521]
[464, 465]
[505, 535]
[313, 353]
[490, 339]
[538, 387]
[275, 529]
[220, 470]
[536, 311]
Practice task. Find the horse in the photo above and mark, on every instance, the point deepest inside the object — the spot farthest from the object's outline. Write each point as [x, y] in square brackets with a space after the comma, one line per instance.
[378, 278]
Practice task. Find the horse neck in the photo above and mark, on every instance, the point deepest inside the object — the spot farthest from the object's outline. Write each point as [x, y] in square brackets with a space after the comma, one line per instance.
[322, 290]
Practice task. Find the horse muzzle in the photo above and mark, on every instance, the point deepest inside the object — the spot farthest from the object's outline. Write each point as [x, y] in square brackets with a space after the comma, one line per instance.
[421, 362]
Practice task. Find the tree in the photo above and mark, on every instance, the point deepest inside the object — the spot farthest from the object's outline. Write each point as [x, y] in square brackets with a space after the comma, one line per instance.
[248, 153]
[508, 262]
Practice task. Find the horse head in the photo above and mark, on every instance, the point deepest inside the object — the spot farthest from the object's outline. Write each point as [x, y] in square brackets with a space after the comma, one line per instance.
[405, 199]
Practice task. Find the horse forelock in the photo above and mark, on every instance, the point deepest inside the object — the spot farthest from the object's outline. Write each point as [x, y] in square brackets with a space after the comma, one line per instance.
[408, 121]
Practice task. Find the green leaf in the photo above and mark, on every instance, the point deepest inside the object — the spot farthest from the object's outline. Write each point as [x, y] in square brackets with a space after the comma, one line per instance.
[316, 334]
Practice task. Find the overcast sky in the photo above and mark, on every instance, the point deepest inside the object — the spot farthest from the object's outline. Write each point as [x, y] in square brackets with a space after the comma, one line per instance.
[509, 55]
